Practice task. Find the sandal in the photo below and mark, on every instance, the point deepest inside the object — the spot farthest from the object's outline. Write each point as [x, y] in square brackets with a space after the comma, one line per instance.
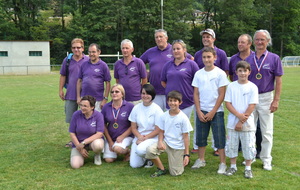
[68, 145]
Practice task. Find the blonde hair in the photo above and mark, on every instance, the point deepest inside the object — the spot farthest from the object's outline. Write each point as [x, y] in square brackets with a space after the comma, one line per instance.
[119, 87]
[77, 40]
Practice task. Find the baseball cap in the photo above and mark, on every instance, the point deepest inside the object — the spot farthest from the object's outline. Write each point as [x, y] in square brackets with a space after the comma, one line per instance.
[208, 31]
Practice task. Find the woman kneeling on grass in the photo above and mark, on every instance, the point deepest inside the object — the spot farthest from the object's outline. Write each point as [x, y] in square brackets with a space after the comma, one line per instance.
[144, 119]
[86, 131]
[117, 126]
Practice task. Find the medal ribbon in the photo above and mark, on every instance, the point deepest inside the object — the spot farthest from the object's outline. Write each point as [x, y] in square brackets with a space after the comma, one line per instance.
[113, 112]
[115, 115]
[262, 62]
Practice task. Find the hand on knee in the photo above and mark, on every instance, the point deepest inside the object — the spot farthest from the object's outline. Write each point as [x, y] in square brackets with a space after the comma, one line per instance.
[109, 160]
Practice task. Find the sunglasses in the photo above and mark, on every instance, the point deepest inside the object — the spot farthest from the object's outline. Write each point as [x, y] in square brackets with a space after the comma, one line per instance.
[126, 70]
[76, 47]
[116, 91]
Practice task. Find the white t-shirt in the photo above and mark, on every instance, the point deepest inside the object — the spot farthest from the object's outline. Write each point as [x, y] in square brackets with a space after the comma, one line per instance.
[174, 127]
[240, 96]
[208, 83]
[146, 117]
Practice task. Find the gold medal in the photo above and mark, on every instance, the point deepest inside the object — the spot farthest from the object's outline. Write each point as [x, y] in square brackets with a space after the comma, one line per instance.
[258, 76]
[116, 125]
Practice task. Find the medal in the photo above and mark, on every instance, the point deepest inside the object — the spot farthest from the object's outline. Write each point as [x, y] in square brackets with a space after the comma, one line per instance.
[116, 125]
[258, 76]
[115, 115]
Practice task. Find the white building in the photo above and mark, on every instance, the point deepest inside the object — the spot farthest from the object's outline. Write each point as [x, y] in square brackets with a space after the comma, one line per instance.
[24, 57]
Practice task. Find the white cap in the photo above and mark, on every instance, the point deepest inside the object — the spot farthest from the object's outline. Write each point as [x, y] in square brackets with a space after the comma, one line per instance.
[208, 31]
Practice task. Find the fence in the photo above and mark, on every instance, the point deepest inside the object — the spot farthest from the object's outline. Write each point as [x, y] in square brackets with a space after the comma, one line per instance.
[35, 69]
[44, 69]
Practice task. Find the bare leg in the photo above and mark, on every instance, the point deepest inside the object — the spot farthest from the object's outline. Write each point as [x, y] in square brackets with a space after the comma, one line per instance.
[201, 153]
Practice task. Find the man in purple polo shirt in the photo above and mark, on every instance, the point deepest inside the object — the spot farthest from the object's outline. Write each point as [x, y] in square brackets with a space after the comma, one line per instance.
[208, 39]
[92, 76]
[70, 77]
[266, 72]
[157, 57]
[130, 72]
[244, 54]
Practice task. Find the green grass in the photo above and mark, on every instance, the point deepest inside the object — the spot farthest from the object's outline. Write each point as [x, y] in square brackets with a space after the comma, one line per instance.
[33, 132]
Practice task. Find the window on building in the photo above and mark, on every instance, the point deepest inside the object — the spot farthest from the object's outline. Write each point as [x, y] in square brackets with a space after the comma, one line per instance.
[35, 53]
[3, 53]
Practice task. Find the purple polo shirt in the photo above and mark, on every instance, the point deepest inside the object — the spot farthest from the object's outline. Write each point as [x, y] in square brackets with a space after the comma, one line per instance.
[130, 77]
[84, 128]
[270, 68]
[74, 68]
[122, 119]
[221, 61]
[180, 78]
[93, 77]
[157, 59]
[234, 60]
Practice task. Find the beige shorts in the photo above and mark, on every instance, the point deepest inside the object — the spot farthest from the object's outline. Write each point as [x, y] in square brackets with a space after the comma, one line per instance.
[175, 157]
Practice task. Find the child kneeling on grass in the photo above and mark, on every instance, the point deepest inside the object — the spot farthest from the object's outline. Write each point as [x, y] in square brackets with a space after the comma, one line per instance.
[240, 99]
[173, 138]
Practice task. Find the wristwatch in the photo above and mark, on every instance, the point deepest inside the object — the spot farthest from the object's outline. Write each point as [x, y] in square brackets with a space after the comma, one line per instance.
[106, 98]
[83, 143]
[186, 155]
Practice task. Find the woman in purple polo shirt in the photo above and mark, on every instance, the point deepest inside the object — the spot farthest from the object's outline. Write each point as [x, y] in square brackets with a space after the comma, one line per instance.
[178, 75]
[117, 126]
[86, 131]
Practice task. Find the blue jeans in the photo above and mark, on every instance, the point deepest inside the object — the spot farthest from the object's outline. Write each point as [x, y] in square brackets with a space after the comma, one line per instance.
[218, 129]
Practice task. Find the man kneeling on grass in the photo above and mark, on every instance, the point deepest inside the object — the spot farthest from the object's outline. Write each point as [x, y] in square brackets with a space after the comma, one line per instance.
[173, 138]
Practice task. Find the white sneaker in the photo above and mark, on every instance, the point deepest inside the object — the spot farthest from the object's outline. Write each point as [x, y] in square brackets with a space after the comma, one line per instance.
[97, 159]
[267, 166]
[244, 162]
[198, 164]
[222, 168]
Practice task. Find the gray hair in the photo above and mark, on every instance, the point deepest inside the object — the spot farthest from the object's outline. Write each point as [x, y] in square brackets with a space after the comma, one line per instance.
[268, 36]
[248, 37]
[161, 30]
[126, 41]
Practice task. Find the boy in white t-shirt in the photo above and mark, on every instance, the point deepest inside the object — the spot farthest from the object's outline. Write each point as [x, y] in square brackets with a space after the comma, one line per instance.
[209, 90]
[173, 138]
[240, 99]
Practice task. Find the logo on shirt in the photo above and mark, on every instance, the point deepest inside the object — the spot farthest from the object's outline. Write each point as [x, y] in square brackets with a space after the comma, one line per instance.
[178, 125]
[182, 70]
[169, 55]
[132, 68]
[93, 124]
[123, 114]
[97, 70]
[152, 115]
[245, 94]
[266, 66]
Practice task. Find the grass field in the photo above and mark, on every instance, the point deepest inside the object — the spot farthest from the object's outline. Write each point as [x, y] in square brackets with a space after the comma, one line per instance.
[33, 132]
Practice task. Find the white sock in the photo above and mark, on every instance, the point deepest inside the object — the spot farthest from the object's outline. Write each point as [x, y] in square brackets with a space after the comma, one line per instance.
[248, 168]
[233, 166]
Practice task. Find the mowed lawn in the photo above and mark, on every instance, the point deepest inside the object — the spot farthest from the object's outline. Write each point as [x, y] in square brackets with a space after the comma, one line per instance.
[33, 134]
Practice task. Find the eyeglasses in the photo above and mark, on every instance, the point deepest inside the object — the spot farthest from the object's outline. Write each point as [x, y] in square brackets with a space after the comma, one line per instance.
[76, 47]
[116, 91]
[92, 52]
[262, 39]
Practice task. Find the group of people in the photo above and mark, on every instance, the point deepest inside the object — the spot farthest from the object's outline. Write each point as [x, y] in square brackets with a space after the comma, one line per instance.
[154, 118]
